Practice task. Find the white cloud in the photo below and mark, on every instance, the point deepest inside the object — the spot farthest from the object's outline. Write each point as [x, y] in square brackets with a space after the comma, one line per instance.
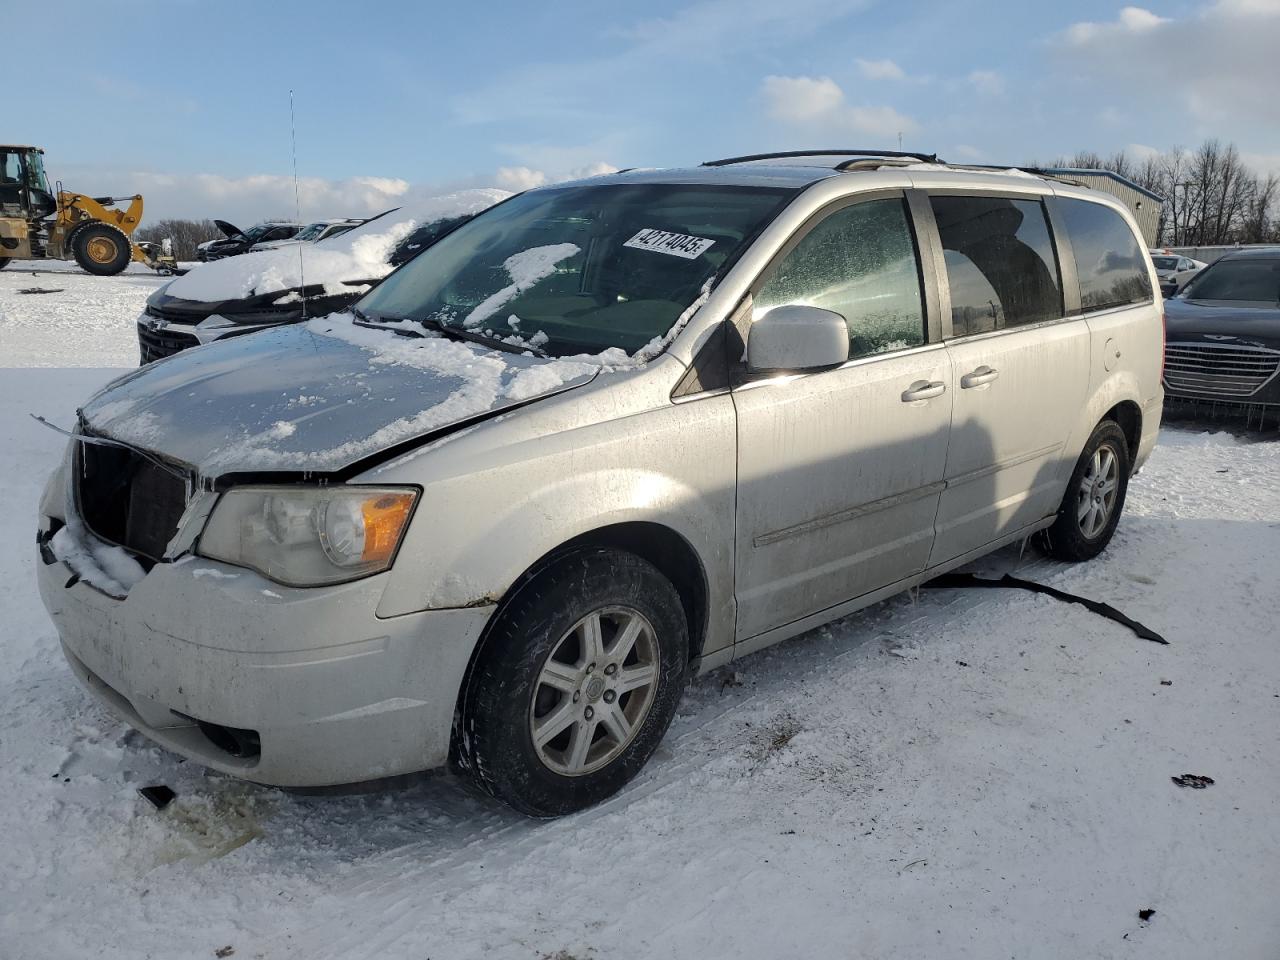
[1247, 8]
[1217, 68]
[565, 161]
[1263, 163]
[880, 69]
[801, 98]
[817, 104]
[987, 82]
[248, 199]
[694, 40]
[1141, 151]
[517, 179]
[520, 178]
[1130, 21]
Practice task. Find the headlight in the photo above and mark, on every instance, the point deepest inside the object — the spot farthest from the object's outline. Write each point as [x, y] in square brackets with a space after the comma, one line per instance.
[309, 536]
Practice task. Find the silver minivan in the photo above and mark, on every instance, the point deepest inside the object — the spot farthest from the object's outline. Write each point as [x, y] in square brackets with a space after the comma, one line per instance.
[607, 435]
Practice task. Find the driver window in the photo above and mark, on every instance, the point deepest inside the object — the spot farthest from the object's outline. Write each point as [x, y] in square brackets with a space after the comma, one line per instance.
[861, 263]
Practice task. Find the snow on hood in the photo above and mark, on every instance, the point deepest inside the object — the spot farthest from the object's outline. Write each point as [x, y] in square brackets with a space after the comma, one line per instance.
[320, 396]
[355, 256]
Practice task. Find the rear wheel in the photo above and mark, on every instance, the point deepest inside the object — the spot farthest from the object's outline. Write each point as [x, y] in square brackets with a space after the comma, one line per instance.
[1094, 499]
[101, 249]
[579, 679]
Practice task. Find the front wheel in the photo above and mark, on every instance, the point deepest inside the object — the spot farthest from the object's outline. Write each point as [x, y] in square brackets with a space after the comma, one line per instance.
[101, 249]
[1094, 499]
[576, 684]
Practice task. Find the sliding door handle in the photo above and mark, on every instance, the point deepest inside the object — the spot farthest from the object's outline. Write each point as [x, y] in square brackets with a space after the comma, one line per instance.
[923, 390]
[979, 378]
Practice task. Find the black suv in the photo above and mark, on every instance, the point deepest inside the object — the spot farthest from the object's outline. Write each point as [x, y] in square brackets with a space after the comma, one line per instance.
[239, 241]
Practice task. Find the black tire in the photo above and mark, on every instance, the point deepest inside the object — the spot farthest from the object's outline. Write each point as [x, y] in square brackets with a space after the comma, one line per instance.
[504, 696]
[4, 262]
[1070, 538]
[101, 249]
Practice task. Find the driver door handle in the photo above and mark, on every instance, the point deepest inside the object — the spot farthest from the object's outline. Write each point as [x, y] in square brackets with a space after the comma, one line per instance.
[979, 378]
[923, 390]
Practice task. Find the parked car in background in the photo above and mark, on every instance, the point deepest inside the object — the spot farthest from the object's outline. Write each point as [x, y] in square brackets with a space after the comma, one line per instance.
[1223, 331]
[264, 288]
[599, 438]
[237, 241]
[312, 233]
[1174, 270]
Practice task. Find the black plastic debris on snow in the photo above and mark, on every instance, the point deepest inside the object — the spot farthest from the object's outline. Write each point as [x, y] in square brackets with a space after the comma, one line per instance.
[1193, 780]
[1007, 581]
[32, 290]
[1146, 914]
[159, 795]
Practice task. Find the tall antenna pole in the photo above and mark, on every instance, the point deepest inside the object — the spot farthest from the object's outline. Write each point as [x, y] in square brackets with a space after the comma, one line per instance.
[297, 206]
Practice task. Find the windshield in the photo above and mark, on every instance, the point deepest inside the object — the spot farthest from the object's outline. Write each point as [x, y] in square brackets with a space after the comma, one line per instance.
[310, 232]
[1165, 263]
[1251, 280]
[579, 269]
[424, 236]
[36, 179]
[258, 231]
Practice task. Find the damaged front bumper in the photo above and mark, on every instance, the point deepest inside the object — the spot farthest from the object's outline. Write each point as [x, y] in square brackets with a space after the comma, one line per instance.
[279, 685]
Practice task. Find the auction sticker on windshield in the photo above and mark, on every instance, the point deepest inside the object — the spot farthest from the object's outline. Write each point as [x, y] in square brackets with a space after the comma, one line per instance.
[675, 244]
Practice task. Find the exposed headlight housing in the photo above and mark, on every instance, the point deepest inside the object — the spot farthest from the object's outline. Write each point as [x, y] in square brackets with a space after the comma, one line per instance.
[309, 536]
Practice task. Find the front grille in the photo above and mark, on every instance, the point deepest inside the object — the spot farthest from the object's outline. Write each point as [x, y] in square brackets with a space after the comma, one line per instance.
[127, 499]
[1208, 370]
[175, 316]
[158, 344]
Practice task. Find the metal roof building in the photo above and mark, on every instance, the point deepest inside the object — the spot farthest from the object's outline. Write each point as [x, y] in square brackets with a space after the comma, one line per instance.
[1145, 206]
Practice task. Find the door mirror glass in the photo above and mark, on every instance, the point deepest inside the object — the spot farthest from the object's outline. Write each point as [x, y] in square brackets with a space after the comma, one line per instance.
[795, 338]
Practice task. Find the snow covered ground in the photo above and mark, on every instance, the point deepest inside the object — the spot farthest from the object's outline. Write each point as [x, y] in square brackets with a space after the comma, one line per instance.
[974, 774]
[68, 318]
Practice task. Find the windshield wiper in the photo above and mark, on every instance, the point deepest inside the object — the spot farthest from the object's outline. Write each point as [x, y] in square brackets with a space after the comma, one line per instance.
[460, 333]
[451, 332]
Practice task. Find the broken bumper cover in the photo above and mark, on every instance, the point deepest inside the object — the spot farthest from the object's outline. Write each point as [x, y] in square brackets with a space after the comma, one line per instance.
[199, 650]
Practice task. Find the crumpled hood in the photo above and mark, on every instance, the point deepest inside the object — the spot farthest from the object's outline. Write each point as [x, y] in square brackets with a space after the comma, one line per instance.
[318, 396]
[1214, 321]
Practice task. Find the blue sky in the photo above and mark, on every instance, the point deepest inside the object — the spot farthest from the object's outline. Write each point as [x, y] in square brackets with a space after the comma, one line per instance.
[394, 99]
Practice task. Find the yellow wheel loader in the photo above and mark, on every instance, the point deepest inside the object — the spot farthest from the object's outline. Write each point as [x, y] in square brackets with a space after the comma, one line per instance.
[37, 224]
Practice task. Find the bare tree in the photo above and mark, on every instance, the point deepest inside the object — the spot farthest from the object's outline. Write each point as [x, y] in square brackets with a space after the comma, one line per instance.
[1211, 196]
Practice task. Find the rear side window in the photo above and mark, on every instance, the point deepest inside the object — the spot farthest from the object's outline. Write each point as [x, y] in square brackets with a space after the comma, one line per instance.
[860, 262]
[1001, 265]
[1110, 262]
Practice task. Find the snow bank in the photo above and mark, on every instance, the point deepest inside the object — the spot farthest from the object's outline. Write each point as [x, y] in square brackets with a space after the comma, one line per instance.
[357, 255]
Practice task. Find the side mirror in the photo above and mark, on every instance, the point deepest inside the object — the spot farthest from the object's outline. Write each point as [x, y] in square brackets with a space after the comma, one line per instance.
[795, 338]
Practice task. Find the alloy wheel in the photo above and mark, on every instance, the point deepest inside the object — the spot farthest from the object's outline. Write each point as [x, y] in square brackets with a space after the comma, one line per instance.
[594, 691]
[1096, 495]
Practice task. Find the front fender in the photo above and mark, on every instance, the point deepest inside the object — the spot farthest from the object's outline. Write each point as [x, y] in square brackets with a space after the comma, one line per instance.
[495, 502]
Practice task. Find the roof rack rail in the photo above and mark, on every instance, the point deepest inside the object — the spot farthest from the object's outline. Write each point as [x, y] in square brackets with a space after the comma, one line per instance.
[785, 154]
